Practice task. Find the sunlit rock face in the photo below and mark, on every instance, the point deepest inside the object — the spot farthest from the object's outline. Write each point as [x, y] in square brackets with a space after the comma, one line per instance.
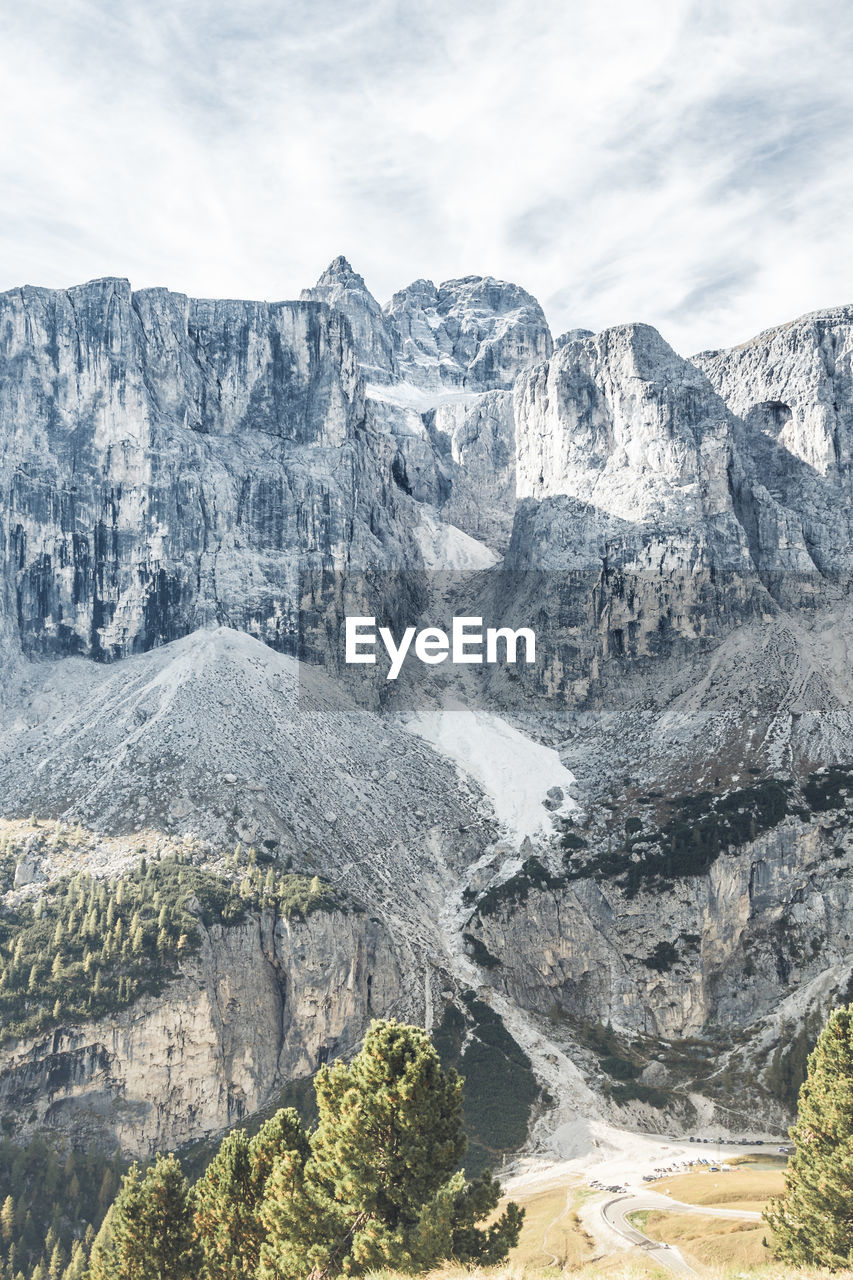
[477, 332]
[260, 1004]
[791, 389]
[170, 462]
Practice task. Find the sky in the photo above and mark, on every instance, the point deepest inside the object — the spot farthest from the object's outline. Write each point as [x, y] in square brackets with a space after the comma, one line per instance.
[685, 164]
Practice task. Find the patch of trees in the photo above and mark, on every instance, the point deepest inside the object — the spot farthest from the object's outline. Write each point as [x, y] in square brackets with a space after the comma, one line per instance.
[827, 788]
[696, 831]
[88, 946]
[664, 956]
[698, 828]
[51, 1205]
[376, 1184]
[499, 1085]
[533, 875]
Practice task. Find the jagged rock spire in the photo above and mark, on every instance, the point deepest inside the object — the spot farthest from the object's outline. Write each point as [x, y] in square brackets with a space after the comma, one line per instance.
[340, 272]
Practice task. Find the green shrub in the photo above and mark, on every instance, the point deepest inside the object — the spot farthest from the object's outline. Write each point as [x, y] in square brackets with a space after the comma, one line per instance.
[620, 1068]
[662, 958]
[633, 1092]
[823, 790]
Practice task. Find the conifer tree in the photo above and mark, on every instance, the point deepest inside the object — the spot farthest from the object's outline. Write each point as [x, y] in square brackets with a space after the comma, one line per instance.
[148, 1233]
[7, 1219]
[229, 1195]
[379, 1188]
[76, 1268]
[224, 1210]
[56, 1266]
[812, 1221]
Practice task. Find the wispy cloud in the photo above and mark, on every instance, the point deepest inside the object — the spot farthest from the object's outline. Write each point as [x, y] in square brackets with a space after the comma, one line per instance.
[678, 162]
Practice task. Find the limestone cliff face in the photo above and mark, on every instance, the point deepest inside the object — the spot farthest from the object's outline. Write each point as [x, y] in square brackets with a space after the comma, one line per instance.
[168, 462]
[792, 390]
[797, 381]
[345, 290]
[761, 923]
[456, 349]
[626, 544]
[678, 534]
[258, 1005]
[476, 332]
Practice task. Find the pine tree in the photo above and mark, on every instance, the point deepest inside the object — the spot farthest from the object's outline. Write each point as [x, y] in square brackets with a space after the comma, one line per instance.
[56, 1266]
[148, 1233]
[229, 1195]
[812, 1221]
[225, 1210]
[7, 1219]
[76, 1268]
[379, 1188]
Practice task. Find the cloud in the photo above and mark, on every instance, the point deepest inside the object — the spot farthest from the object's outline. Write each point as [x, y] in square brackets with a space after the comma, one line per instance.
[681, 163]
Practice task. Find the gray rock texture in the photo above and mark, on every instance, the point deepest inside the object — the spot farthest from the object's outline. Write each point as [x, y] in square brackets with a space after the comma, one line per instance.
[477, 332]
[260, 1004]
[169, 462]
[193, 493]
[345, 290]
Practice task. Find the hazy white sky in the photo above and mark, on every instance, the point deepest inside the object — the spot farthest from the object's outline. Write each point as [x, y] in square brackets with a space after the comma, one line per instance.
[687, 164]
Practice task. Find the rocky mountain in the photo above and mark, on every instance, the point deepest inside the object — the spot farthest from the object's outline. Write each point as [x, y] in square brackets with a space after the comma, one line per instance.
[635, 852]
[260, 1004]
[169, 463]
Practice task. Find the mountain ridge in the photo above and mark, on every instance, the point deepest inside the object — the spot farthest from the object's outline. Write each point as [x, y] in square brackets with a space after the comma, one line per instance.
[195, 493]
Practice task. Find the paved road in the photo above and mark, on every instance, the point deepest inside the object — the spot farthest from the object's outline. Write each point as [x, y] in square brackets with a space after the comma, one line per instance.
[615, 1214]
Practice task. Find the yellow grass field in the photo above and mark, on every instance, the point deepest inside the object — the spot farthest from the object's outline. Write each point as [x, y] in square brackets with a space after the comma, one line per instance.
[711, 1242]
[746, 1187]
[552, 1236]
[716, 1242]
[554, 1240]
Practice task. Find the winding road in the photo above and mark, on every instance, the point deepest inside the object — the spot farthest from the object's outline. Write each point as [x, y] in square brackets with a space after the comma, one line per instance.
[615, 1213]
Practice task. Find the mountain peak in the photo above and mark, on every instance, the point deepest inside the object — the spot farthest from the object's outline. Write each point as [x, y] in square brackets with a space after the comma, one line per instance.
[340, 272]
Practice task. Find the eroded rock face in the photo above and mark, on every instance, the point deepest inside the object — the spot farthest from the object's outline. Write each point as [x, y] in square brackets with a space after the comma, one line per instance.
[477, 332]
[438, 363]
[622, 421]
[792, 390]
[169, 462]
[480, 440]
[797, 381]
[677, 533]
[260, 1004]
[626, 544]
[761, 923]
[345, 290]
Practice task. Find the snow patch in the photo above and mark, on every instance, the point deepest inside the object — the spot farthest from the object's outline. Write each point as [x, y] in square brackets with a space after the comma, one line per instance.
[408, 396]
[515, 771]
